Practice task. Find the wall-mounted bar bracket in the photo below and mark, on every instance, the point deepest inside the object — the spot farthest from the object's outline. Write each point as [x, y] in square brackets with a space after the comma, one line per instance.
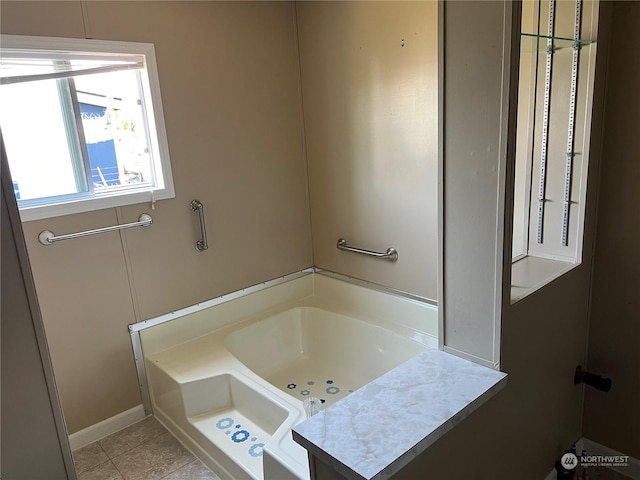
[391, 254]
[47, 237]
[197, 206]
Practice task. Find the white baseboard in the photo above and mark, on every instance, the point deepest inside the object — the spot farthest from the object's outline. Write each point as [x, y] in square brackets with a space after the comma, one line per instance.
[593, 448]
[106, 427]
[632, 470]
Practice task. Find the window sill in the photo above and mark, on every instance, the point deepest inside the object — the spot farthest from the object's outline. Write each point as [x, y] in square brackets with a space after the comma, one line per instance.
[95, 203]
[530, 273]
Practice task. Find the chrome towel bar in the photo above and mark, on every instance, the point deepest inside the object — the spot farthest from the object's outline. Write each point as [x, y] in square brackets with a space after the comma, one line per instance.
[391, 254]
[197, 206]
[47, 237]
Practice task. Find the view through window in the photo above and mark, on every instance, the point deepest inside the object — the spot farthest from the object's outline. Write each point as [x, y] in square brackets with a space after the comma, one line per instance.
[79, 126]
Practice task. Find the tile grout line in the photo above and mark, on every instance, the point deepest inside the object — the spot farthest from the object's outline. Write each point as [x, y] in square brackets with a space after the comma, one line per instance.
[134, 447]
[98, 442]
[166, 432]
[110, 460]
[122, 475]
[118, 470]
[182, 466]
[86, 469]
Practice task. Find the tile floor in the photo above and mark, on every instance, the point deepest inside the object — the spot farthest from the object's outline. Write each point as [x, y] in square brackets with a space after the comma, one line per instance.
[143, 451]
[147, 451]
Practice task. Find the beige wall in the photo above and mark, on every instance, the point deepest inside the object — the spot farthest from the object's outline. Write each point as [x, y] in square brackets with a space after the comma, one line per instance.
[473, 170]
[151, 271]
[524, 429]
[613, 419]
[229, 76]
[526, 100]
[32, 428]
[371, 115]
[230, 84]
[520, 432]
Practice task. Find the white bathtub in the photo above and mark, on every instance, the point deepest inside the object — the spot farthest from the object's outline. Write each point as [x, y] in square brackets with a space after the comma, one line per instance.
[309, 351]
[229, 381]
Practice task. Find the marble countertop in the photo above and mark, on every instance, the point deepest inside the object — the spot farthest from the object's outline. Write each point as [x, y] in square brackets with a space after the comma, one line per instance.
[381, 427]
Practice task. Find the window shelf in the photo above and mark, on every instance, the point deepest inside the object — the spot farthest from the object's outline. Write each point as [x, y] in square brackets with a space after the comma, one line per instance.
[554, 106]
[530, 273]
[532, 42]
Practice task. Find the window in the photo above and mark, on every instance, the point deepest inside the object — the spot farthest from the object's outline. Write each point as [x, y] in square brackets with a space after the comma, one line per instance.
[555, 98]
[82, 124]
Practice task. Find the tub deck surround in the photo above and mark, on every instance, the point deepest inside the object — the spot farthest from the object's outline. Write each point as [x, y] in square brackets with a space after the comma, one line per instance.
[334, 293]
[381, 427]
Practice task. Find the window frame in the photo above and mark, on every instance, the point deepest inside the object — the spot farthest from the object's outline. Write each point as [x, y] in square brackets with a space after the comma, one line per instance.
[48, 207]
[536, 265]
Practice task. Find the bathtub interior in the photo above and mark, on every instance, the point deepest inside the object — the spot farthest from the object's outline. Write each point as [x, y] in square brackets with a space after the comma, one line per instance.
[236, 417]
[312, 352]
[229, 381]
[225, 419]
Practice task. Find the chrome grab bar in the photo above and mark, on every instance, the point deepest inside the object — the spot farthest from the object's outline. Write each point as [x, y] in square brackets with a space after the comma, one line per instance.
[46, 237]
[197, 206]
[391, 254]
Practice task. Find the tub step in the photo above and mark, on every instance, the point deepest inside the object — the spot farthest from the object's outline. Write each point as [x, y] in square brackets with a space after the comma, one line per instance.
[235, 417]
[236, 435]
